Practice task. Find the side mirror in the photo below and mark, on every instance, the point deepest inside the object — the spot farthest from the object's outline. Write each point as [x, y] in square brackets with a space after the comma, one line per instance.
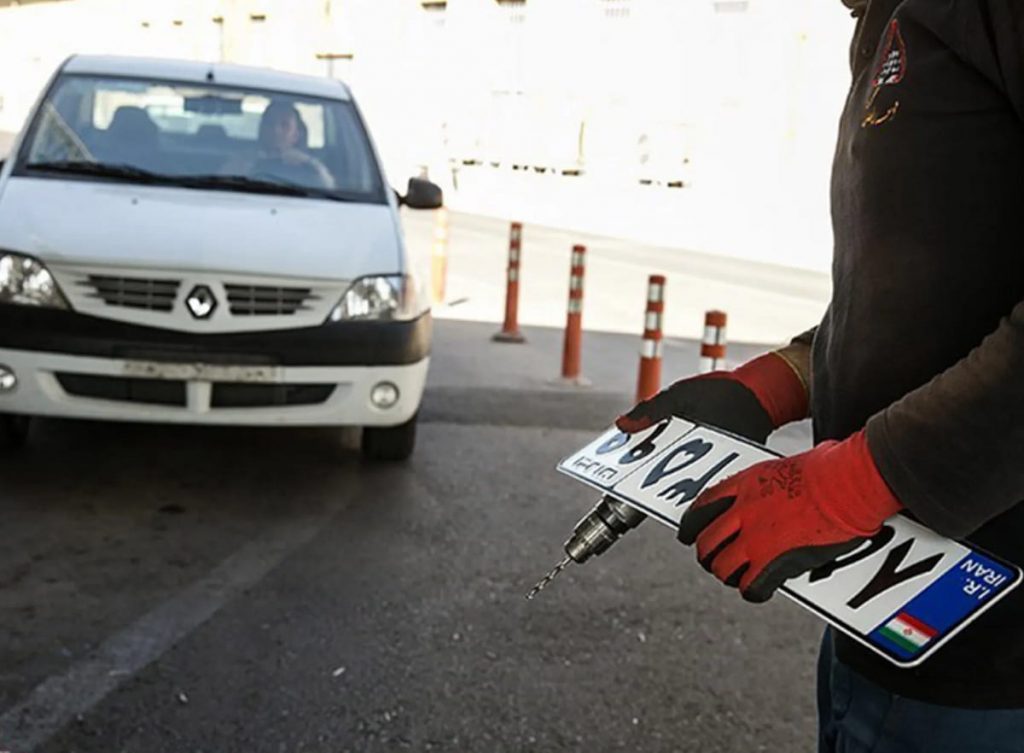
[422, 194]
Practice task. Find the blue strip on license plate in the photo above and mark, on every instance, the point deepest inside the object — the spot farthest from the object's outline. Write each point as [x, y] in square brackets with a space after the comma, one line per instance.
[945, 606]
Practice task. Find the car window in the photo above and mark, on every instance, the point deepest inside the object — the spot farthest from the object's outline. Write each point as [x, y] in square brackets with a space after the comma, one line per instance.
[174, 130]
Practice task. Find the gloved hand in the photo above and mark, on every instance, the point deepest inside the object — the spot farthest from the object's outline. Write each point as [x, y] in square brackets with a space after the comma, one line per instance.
[781, 518]
[751, 401]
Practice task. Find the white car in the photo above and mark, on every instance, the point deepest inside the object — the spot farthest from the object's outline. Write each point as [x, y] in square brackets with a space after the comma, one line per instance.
[212, 244]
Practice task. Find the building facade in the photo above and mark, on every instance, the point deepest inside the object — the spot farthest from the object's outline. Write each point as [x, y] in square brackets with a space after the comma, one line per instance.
[739, 96]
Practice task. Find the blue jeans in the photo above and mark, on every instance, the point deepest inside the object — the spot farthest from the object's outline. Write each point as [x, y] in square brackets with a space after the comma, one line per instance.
[857, 716]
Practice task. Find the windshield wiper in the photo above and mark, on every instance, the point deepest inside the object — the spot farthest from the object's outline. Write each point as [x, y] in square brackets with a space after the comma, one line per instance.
[215, 181]
[239, 183]
[255, 185]
[98, 169]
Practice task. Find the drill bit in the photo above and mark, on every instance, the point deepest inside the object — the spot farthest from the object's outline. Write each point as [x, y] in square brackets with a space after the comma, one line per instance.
[543, 583]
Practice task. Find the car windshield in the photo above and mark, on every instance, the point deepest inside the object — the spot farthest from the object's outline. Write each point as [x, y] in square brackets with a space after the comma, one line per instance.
[163, 132]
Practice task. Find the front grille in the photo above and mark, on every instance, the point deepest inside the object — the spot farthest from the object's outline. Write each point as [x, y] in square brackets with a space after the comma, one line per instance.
[124, 389]
[173, 392]
[262, 300]
[132, 292]
[234, 395]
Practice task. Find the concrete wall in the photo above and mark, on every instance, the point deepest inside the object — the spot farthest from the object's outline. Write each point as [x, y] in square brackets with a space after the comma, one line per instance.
[737, 99]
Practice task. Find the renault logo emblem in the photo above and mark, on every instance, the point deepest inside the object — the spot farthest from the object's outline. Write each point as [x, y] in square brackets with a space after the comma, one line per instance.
[201, 302]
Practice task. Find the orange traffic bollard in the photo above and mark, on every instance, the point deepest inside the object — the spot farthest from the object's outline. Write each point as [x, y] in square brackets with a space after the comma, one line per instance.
[510, 329]
[439, 256]
[572, 350]
[712, 349]
[648, 382]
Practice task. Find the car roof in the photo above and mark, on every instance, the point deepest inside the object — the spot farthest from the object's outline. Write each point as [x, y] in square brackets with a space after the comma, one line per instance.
[200, 73]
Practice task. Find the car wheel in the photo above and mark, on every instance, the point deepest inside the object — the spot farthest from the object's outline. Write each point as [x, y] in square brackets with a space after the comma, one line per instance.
[13, 431]
[389, 443]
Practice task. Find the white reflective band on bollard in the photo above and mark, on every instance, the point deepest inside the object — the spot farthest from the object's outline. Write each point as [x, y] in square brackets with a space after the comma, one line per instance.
[651, 348]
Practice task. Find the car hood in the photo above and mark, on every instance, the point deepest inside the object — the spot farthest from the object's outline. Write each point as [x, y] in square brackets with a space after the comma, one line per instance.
[168, 228]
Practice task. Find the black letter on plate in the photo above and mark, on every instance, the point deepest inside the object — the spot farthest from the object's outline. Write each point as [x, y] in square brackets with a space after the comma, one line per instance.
[876, 543]
[887, 576]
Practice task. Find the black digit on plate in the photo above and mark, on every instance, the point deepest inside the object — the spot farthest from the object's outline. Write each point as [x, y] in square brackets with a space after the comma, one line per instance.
[645, 448]
[619, 440]
[695, 449]
[690, 488]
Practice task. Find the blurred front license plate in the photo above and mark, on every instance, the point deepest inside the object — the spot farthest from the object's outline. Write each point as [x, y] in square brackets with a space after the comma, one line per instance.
[201, 372]
[903, 594]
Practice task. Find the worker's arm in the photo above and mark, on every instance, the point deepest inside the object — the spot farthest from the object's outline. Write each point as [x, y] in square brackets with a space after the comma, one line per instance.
[952, 450]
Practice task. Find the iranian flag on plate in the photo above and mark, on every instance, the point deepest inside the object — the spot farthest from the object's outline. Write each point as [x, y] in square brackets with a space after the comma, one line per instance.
[908, 633]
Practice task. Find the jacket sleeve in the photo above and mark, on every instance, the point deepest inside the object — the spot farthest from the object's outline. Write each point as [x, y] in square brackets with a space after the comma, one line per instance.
[952, 449]
[806, 338]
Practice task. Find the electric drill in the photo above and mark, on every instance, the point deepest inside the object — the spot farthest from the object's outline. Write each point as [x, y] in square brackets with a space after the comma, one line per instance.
[609, 521]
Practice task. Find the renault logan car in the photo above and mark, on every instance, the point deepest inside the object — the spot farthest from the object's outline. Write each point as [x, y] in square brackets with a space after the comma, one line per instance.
[207, 244]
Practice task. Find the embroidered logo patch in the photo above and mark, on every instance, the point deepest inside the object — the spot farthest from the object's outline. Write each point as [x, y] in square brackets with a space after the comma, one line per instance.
[892, 67]
[893, 64]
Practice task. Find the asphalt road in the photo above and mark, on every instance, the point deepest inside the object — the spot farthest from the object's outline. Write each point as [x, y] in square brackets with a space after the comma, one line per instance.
[184, 589]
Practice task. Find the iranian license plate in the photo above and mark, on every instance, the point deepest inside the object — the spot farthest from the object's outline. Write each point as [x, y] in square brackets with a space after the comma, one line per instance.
[903, 594]
[202, 372]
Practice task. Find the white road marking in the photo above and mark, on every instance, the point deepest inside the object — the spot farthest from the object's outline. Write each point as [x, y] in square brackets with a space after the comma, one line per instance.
[59, 699]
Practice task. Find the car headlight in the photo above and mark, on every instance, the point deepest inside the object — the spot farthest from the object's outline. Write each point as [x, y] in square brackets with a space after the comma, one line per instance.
[384, 297]
[23, 280]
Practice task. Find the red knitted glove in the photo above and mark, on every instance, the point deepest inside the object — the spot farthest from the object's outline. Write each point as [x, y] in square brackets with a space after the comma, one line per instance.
[752, 400]
[781, 518]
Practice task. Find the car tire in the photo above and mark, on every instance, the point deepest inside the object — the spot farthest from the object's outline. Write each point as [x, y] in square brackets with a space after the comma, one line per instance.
[389, 444]
[13, 431]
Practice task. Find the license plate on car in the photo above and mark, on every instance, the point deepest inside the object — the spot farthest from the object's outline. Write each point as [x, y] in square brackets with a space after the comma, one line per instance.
[202, 372]
[903, 594]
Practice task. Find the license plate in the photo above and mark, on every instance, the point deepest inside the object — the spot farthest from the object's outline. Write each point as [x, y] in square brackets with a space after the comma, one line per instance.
[201, 372]
[903, 594]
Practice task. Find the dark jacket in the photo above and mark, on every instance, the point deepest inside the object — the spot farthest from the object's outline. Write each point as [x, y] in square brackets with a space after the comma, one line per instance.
[923, 341]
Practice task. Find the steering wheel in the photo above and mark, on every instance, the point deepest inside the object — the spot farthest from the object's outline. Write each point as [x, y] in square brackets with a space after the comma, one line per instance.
[282, 171]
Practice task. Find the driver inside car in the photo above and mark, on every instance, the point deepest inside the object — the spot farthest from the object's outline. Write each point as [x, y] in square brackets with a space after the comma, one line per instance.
[281, 151]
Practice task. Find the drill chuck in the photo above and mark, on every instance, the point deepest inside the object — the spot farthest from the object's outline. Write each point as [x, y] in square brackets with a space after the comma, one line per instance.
[609, 521]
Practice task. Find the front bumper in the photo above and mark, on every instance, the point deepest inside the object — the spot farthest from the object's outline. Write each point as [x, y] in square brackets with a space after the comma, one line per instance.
[78, 366]
[53, 384]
